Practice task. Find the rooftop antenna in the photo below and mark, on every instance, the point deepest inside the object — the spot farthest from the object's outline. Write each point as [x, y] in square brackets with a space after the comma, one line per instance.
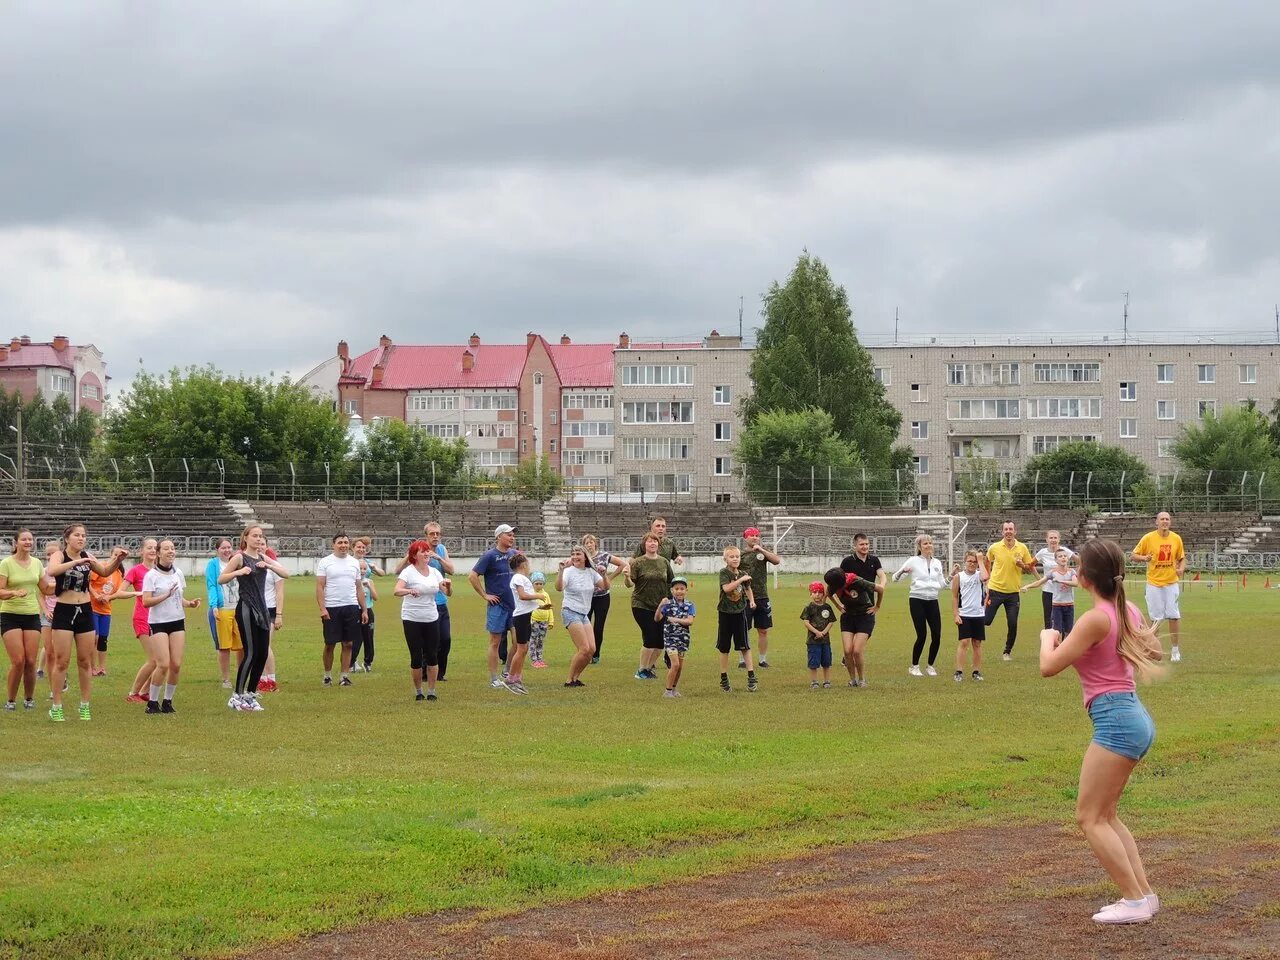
[740, 316]
[1278, 323]
[1126, 316]
[895, 326]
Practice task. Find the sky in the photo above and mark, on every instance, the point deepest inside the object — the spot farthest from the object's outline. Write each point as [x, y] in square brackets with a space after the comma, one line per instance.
[247, 183]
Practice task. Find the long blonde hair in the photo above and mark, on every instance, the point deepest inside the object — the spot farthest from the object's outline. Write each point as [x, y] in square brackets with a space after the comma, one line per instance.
[1102, 567]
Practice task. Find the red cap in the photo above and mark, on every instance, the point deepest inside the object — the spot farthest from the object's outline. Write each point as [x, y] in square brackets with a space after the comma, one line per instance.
[751, 532]
[817, 585]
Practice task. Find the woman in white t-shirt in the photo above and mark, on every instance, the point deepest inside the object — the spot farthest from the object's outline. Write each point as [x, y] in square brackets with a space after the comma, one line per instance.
[526, 601]
[417, 585]
[579, 581]
[162, 589]
[927, 581]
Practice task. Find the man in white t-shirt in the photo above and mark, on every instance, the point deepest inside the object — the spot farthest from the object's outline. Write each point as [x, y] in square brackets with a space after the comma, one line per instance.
[1046, 559]
[341, 603]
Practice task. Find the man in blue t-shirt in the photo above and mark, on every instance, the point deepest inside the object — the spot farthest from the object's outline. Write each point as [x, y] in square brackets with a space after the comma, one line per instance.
[491, 578]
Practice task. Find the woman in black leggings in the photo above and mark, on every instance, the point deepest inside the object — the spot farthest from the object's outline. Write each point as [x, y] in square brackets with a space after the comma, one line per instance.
[602, 562]
[252, 564]
[927, 580]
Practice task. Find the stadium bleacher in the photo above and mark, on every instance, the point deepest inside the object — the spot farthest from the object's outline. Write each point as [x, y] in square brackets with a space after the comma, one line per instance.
[122, 518]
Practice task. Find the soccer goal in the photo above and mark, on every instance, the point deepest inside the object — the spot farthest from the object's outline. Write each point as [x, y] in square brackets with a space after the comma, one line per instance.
[824, 540]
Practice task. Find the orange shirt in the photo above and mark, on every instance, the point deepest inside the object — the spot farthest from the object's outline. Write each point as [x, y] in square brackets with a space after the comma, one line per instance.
[105, 586]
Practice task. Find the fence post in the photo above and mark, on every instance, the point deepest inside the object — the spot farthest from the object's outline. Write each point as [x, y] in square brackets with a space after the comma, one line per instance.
[293, 481]
[84, 473]
[812, 482]
[326, 479]
[1037, 489]
[864, 485]
[1260, 479]
[433, 481]
[116, 467]
[1173, 493]
[1207, 480]
[152, 467]
[363, 495]
[897, 485]
[222, 476]
[829, 500]
[777, 491]
[397, 479]
[1088, 482]
[1122, 476]
[1071, 490]
[257, 472]
[1242, 480]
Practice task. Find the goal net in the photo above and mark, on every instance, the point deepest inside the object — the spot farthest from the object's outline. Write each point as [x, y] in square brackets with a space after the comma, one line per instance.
[820, 542]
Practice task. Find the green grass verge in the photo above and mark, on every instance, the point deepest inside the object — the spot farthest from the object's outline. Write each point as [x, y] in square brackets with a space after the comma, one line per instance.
[209, 831]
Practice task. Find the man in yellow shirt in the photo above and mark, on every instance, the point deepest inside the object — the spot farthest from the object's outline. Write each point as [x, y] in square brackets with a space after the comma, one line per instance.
[1161, 550]
[1005, 561]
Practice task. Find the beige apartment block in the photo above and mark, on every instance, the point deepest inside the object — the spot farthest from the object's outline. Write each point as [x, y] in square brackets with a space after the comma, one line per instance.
[1009, 402]
[678, 420]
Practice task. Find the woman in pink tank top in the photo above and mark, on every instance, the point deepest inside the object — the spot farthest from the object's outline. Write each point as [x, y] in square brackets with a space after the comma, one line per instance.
[1106, 645]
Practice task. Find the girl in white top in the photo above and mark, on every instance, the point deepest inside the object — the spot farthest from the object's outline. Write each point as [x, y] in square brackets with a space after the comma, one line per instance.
[970, 614]
[526, 601]
[927, 581]
[578, 581]
[162, 590]
[1047, 557]
[418, 584]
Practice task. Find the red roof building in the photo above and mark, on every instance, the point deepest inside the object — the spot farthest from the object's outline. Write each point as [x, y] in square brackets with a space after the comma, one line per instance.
[55, 368]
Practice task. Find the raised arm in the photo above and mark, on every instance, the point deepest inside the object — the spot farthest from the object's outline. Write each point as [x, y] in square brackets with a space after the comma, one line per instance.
[1058, 653]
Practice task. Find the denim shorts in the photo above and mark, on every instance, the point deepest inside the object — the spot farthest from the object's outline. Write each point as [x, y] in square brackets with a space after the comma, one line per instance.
[1122, 725]
[573, 616]
[819, 654]
[498, 619]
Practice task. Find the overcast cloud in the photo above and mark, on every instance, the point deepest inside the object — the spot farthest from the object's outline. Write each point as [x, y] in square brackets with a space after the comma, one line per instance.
[247, 183]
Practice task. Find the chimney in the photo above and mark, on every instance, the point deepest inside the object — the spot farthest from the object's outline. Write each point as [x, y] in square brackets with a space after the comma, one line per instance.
[4, 352]
[377, 374]
[61, 343]
[15, 345]
[384, 341]
[715, 332]
[468, 358]
[26, 341]
[530, 339]
[564, 340]
[624, 341]
[344, 351]
[474, 341]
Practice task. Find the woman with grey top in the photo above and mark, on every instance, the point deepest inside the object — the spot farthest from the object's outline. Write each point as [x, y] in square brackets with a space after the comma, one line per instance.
[602, 562]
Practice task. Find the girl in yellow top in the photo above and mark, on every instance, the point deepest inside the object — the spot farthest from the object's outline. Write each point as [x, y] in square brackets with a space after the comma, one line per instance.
[543, 619]
[21, 583]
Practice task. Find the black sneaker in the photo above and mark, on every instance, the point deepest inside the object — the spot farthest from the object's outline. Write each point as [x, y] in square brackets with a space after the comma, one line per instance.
[328, 681]
[420, 696]
[751, 683]
[578, 683]
[595, 659]
[958, 676]
[153, 706]
[166, 706]
[724, 683]
[432, 696]
[742, 664]
[344, 682]
[977, 676]
[763, 664]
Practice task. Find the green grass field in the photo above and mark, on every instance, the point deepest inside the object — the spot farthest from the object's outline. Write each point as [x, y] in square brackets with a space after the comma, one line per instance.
[210, 831]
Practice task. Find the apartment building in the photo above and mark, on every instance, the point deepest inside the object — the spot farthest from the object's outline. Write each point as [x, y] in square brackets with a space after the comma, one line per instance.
[1008, 403]
[55, 368]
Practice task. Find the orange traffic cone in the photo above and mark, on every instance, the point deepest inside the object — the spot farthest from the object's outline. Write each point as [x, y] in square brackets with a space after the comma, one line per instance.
[1244, 580]
[1196, 577]
[1266, 584]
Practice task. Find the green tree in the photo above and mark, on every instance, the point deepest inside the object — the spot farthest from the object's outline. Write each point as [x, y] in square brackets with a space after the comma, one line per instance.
[808, 355]
[424, 458]
[533, 479]
[982, 487]
[1220, 456]
[1108, 473]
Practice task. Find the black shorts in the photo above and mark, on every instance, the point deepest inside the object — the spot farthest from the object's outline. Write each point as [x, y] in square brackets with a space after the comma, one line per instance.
[761, 618]
[75, 617]
[343, 625]
[857, 622]
[169, 626]
[19, 621]
[732, 631]
[973, 628]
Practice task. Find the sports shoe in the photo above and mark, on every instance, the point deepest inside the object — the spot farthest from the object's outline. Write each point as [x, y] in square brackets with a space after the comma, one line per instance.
[84, 712]
[56, 714]
[39, 674]
[99, 673]
[419, 696]
[234, 702]
[250, 704]
[958, 676]
[853, 684]
[677, 694]
[539, 664]
[742, 664]
[357, 668]
[668, 694]
[1006, 657]
[344, 682]
[135, 698]
[642, 674]
[826, 684]
[328, 681]
[28, 704]
[724, 684]
[432, 697]
[166, 706]
[763, 664]
[930, 672]
[517, 687]
[153, 706]
[496, 683]
[914, 670]
[226, 684]
[1153, 902]
[977, 676]
[1175, 655]
[268, 686]
[1124, 912]
[813, 684]
[10, 705]
[595, 659]
[752, 684]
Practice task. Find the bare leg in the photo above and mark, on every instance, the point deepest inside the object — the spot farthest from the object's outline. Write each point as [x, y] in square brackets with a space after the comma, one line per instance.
[224, 664]
[346, 656]
[673, 672]
[1103, 776]
[763, 637]
[86, 646]
[328, 658]
[58, 661]
[846, 639]
[13, 646]
[977, 655]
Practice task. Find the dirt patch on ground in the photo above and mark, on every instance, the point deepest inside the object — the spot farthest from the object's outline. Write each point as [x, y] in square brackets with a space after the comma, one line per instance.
[1025, 892]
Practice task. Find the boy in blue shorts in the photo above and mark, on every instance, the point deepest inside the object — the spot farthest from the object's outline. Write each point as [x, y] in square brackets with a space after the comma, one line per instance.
[818, 620]
[676, 616]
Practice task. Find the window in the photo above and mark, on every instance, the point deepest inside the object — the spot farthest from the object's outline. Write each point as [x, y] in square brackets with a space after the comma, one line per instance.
[919, 393]
[884, 375]
[722, 466]
[919, 429]
[552, 443]
[1065, 408]
[724, 430]
[61, 382]
[1128, 428]
[1051, 442]
[999, 447]
[89, 391]
[434, 401]
[352, 407]
[1248, 373]
[1206, 407]
[1164, 446]
[491, 431]
[490, 401]
[1070, 372]
[723, 395]
[659, 482]
[657, 411]
[1164, 373]
[555, 417]
[921, 465]
[657, 448]
[724, 498]
[588, 401]
[1206, 372]
[656, 375]
[983, 410]
[1128, 390]
[1165, 410]
[537, 379]
[983, 374]
[588, 428]
[524, 446]
[445, 431]
[585, 457]
[493, 458]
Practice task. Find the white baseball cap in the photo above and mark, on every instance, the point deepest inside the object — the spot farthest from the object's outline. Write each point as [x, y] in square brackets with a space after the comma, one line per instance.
[502, 528]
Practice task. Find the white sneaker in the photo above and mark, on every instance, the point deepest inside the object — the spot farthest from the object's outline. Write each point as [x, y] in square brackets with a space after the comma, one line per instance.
[914, 670]
[496, 684]
[226, 684]
[234, 702]
[1006, 657]
[1153, 902]
[1175, 655]
[1122, 912]
[930, 672]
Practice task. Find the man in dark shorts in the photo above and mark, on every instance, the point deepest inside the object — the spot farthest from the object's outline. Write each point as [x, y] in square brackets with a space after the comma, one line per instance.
[341, 601]
[756, 558]
[491, 579]
[858, 621]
